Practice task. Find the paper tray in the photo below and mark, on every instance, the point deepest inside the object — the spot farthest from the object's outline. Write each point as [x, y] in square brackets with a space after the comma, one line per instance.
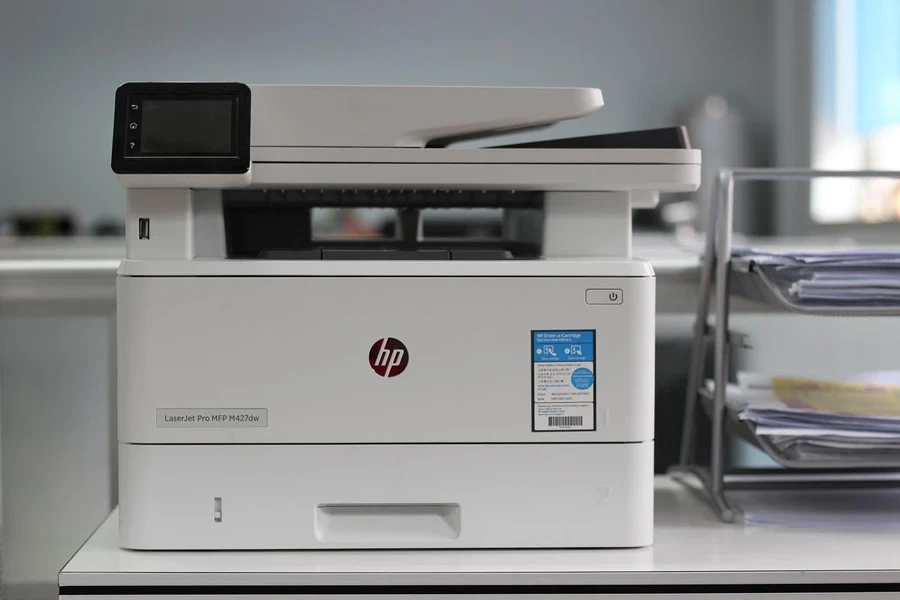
[747, 432]
[749, 281]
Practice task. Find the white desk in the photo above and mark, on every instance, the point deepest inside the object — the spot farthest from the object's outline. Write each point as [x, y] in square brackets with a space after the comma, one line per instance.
[68, 276]
[693, 554]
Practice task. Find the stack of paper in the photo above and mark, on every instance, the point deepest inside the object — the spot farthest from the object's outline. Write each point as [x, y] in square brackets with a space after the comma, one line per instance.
[833, 277]
[807, 419]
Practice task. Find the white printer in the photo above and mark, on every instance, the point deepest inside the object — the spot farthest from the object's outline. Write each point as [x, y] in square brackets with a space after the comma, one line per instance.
[281, 391]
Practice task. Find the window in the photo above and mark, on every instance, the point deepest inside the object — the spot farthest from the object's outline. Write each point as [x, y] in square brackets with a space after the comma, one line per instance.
[856, 117]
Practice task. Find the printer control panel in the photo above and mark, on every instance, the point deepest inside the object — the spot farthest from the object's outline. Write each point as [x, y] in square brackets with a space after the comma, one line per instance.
[165, 128]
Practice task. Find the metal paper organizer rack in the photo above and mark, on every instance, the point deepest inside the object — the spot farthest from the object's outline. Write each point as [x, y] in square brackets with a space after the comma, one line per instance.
[743, 277]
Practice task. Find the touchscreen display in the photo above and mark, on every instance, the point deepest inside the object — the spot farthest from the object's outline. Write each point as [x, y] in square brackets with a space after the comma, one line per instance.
[201, 127]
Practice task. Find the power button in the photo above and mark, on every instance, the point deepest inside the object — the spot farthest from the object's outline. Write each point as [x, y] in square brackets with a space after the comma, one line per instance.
[606, 296]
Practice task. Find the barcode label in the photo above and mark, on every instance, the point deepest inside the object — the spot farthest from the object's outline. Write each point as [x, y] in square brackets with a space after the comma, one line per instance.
[564, 421]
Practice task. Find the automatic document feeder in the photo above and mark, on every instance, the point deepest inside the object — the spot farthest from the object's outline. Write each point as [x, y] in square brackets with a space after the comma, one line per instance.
[280, 391]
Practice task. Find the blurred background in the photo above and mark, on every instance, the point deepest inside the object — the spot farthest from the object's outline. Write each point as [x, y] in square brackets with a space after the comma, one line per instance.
[758, 83]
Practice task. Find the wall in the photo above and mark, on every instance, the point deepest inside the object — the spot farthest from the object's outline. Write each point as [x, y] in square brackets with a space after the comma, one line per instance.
[60, 62]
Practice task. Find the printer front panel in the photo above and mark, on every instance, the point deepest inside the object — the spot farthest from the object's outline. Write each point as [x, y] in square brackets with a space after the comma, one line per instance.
[293, 360]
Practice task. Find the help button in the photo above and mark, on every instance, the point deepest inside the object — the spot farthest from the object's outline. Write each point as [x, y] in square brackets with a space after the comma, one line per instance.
[595, 296]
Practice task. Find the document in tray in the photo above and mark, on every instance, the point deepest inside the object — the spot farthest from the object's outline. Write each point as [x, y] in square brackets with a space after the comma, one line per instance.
[854, 404]
[838, 396]
[808, 419]
[832, 277]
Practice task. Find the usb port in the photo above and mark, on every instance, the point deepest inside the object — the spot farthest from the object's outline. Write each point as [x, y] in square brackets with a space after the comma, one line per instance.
[143, 229]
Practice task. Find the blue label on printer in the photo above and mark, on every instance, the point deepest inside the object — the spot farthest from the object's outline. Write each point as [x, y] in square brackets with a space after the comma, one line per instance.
[563, 395]
[563, 346]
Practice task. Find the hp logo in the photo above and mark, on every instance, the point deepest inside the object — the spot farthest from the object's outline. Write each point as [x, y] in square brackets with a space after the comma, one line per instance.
[388, 357]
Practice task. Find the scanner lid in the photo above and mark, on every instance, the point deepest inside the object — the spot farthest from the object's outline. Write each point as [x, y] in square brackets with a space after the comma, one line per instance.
[406, 116]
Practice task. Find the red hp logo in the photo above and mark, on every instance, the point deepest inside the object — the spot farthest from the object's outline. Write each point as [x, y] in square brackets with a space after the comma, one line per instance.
[388, 357]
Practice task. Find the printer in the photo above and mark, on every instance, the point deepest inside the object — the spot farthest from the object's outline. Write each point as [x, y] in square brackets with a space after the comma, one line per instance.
[281, 390]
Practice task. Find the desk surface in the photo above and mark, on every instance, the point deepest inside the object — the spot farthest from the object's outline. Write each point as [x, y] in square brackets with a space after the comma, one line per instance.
[692, 548]
[59, 275]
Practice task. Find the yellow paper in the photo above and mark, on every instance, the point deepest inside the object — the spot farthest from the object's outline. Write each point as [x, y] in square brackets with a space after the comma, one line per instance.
[847, 398]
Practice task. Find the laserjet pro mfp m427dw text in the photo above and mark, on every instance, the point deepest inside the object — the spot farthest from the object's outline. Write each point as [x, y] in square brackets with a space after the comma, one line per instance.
[281, 391]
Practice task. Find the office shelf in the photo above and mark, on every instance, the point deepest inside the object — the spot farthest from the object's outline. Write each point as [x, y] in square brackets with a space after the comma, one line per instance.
[749, 280]
[723, 276]
[746, 430]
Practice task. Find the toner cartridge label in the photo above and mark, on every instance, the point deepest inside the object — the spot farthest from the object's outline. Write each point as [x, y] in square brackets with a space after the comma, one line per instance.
[563, 391]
